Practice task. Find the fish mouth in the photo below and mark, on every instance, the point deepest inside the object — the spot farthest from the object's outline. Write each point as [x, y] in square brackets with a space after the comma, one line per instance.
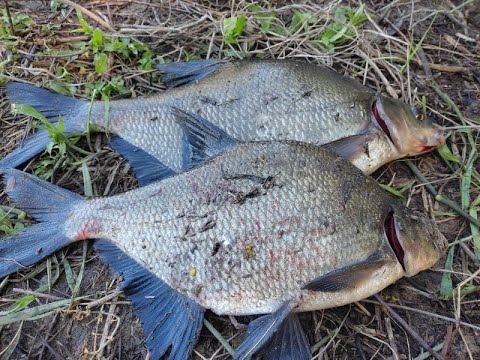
[380, 122]
[391, 233]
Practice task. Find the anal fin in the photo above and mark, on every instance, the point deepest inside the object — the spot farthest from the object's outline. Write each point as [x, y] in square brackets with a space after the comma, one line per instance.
[170, 320]
[147, 168]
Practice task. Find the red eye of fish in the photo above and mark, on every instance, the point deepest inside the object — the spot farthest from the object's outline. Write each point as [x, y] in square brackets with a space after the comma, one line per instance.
[380, 121]
[393, 238]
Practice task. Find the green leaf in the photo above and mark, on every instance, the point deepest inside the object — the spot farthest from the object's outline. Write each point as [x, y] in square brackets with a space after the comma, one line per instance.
[233, 28]
[392, 191]
[69, 274]
[300, 19]
[446, 154]
[61, 88]
[466, 180]
[97, 39]
[475, 233]
[87, 181]
[22, 109]
[446, 286]
[101, 62]
[20, 304]
[358, 16]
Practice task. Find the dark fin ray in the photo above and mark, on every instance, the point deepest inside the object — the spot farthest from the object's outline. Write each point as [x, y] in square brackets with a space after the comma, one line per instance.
[348, 277]
[182, 73]
[26, 150]
[261, 330]
[49, 104]
[205, 139]
[147, 168]
[350, 146]
[170, 320]
[45, 202]
[289, 342]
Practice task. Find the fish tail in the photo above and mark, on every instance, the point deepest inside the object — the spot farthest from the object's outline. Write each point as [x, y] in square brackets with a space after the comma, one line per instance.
[50, 205]
[49, 104]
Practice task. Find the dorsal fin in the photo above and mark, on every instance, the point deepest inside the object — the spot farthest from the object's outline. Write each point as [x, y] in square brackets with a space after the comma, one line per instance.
[204, 139]
[147, 168]
[182, 73]
[170, 320]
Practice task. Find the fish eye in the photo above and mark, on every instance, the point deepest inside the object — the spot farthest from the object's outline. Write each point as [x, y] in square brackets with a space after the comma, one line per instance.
[420, 116]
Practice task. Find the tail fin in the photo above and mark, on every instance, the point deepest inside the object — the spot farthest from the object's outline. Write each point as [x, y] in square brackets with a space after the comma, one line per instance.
[47, 203]
[49, 104]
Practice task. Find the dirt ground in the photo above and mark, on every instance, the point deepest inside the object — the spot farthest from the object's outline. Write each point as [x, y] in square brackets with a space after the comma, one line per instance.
[440, 42]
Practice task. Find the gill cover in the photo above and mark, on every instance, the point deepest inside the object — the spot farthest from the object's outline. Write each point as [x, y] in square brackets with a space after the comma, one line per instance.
[415, 239]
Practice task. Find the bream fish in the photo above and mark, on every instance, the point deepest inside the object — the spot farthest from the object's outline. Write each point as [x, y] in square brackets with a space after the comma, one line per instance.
[251, 101]
[270, 228]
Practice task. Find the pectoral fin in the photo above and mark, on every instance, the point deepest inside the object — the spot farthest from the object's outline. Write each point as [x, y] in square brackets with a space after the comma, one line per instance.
[348, 277]
[170, 320]
[350, 146]
[147, 168]
[204, 139]
[261, 330]
[183, 73]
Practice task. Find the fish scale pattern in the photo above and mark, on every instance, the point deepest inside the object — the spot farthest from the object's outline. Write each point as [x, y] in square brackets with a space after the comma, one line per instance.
[307, 103]
[247, 230]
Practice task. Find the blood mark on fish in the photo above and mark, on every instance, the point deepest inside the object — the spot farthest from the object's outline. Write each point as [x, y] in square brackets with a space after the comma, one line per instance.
[86, 230]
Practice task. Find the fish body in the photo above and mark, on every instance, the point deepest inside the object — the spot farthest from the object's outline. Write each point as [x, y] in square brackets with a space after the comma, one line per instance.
[273, 227]
[251, 227]
[251, 101]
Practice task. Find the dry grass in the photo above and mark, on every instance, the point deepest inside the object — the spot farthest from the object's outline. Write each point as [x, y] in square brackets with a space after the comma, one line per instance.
[97, 322]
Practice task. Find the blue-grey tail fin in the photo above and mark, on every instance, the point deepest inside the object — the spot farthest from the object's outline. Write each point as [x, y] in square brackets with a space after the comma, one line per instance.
[49, 104]
[181, 73]
[289, 342]
[147, 168]
[170, 320]
[47, 203]
[261, 330]
[204, 140]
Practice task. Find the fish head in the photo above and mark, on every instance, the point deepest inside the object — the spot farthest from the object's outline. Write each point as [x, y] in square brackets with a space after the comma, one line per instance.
[410, 132]
[414, 239]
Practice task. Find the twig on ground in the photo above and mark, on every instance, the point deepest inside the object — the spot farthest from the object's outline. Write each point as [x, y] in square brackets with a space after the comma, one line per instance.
[440, 198]
[408, 328]
[89, 14]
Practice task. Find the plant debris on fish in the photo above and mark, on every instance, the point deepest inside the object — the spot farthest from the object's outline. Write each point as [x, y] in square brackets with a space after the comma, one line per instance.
[270, 228]
[250, 100]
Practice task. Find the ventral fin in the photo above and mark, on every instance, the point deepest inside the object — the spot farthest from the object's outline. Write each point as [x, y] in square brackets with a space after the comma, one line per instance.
[204, 139]
[147, 168]
[182, 73]
[350, 146]
[347, 277]
[288, 342]
[170, 320]
[261, 330]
